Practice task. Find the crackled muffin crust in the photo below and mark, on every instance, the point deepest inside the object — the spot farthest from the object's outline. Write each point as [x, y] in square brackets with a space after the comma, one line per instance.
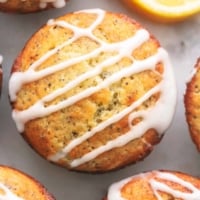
[26, 6]
[192, 99]
[156, 185]
[16, 185]
[88, 91]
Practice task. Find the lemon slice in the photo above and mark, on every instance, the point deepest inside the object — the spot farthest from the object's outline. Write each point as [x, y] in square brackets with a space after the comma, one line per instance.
[166, 10]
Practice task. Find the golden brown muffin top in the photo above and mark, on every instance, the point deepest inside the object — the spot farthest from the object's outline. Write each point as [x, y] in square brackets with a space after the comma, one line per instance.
[78, 80]
[156, 185]
[15, 185]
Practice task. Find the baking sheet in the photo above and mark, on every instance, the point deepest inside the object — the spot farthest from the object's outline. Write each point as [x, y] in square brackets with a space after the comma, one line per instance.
[176, 150]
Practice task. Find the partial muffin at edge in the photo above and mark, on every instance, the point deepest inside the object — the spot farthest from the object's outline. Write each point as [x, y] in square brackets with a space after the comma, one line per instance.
[107, 66]
[155, 185]
[192, 104]
[21, 6]
[1, 72]
[16, 185]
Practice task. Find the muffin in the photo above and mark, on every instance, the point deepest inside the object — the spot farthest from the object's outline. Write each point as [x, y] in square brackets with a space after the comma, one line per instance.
[192, 109]
[17, 185]
[156, 185]
[1, 72]
[88, 89]
[23, 6]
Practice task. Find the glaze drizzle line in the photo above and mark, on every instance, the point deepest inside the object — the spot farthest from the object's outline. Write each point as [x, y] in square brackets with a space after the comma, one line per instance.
[1, 59]
[114, 192]
[158, 186]
[165, 104]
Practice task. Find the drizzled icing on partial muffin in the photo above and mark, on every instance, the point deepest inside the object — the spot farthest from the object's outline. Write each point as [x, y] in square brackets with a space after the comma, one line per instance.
[157, 186]
[55, 3]
[43, 3]
[7, 194]
[1, 59]
[164, 106]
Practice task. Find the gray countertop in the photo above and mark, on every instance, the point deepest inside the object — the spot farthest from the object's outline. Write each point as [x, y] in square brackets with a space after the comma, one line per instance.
[176, 150]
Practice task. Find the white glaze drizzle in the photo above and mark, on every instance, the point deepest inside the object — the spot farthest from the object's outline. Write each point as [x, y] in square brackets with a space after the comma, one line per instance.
[1, 59]
[8, 195]
[124, 48]
[191, 74]
[114, 192]
[43, 3]
[100, 127]
[158, 186]
[55, 3]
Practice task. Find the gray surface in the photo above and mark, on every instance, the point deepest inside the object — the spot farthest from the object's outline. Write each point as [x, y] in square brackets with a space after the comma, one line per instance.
[176, 150]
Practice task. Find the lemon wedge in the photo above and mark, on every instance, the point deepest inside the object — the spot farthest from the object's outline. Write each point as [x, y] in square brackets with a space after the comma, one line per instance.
[166, 10]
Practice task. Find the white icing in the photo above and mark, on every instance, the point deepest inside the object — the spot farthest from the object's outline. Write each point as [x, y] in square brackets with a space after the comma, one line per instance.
[148, 121]
[114, 192]
[1, 59]
[39, 110]
[164, 106]
[56, 3]
[43, 3]
[191, 74]
[194, 193]
[8, 195]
